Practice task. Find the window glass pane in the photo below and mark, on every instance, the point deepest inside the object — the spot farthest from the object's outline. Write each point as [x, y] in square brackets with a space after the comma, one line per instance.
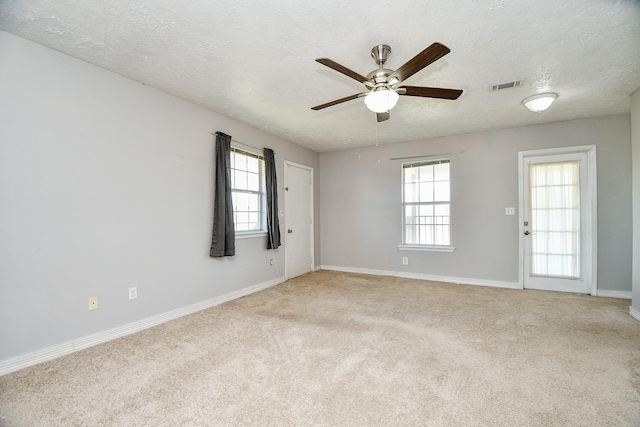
[411, 193]
[241, 221]
[441, 190]
[241, 202]
[239, 180]
[426, 192]
[253, 182]
[254, 202]
[410, 175]
[426, 210]
[410, 234]
[441, 233]
[426, 173]
[253, 164]
[243, 217]
[441, 210]
[241, 161]
[441, 172]
[254, 220]
[234, 202]
[411, 214]
[426, 235]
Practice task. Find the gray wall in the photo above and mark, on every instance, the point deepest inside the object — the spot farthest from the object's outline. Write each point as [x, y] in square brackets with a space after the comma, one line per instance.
[106, 184]
[361, 196]
[635, 141]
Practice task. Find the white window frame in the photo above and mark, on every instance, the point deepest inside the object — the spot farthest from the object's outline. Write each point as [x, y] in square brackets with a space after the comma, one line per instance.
[243, 234]
[424, 247]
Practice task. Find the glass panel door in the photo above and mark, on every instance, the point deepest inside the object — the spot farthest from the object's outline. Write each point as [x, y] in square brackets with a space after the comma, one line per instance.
[555, 219]
[556, 227]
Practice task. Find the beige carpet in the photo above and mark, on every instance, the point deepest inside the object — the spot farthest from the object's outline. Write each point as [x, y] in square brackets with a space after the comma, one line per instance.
[353, 350]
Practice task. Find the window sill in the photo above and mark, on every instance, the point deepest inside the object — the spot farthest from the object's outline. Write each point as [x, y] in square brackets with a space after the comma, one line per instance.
[250, 234]
[427, 248]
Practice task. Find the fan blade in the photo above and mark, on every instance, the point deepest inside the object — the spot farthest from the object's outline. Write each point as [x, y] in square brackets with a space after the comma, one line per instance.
[338, 101]
[421, 60]
[342, 69]
[381, 117]
[430, 92]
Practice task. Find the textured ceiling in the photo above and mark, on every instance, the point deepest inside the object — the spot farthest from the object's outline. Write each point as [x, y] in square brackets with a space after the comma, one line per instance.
[254, 61]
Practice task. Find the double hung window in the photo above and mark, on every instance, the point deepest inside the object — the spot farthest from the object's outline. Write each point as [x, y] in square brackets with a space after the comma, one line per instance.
[248, 191]
[426, 204]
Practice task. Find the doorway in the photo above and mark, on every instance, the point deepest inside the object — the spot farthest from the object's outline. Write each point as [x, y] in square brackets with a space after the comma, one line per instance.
[299, 246]
[558, 219]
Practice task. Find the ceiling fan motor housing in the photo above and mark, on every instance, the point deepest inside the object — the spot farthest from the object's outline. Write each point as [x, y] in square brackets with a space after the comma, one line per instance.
[380, 54]
[379, 76]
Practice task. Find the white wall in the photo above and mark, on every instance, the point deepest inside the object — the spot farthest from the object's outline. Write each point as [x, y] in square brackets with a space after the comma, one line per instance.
[107, 184]
[361, 196]
[635, 142]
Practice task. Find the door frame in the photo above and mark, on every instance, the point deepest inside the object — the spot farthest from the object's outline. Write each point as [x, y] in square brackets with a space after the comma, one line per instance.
[286, 216]
[591, 204]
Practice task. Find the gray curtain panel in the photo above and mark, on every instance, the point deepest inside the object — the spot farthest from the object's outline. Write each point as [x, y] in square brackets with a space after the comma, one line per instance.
[273, 223]
[223, 240]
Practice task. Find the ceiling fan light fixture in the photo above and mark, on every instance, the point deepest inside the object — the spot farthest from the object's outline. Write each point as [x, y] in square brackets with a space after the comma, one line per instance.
[539, 102]
[381, 100]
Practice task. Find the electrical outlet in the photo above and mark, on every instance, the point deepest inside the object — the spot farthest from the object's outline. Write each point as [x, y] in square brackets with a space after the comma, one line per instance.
[405, 260]
[509, 211]
[93, 303]
[271, 262]
[133, 293]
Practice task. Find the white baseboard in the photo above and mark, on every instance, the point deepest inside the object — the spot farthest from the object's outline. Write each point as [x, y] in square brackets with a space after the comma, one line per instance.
[614, 294]
[53, 352]
[634, 313]
[457, 280]
[460, 280]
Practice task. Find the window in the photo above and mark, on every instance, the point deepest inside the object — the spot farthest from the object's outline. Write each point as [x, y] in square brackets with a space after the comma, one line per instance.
[426, 204]
[248, 191]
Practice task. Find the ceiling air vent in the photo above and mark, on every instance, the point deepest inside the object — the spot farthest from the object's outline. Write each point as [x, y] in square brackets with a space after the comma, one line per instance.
[507, 85]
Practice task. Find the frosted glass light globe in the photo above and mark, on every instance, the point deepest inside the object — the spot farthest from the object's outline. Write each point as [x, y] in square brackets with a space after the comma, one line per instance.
[539, 102]
[381, 100]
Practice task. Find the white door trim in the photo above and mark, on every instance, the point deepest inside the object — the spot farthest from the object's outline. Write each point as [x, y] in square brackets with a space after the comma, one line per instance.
[311, 212]
[591, 203]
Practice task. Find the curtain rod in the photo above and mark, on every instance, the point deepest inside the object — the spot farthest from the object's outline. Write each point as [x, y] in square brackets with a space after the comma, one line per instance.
[242, 143]
[426, 155]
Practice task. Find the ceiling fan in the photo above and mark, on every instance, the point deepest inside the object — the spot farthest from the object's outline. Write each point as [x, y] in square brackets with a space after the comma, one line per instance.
[384, 85]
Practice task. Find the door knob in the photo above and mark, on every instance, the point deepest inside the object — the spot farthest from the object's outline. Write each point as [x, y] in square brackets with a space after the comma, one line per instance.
[289, 231]
[526, 233]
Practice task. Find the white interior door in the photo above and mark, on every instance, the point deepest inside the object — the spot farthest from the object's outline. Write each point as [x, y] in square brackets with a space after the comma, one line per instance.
[557, 228]
[298, 219]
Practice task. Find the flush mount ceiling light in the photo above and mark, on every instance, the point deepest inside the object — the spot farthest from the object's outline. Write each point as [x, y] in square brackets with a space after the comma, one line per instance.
[539, 102]
[381, 100]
